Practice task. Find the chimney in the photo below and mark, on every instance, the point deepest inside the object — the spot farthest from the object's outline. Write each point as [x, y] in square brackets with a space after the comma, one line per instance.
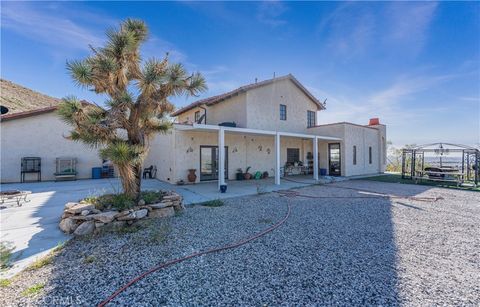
[374, 121]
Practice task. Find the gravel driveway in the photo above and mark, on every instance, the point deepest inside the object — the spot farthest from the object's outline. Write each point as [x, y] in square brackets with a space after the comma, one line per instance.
[350, 250]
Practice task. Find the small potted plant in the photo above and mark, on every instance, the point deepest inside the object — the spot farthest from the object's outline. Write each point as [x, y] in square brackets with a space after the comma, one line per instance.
[239, 174]
[247, 175]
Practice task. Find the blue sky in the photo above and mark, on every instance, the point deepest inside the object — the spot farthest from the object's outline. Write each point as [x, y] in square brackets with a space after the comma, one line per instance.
[415, 65]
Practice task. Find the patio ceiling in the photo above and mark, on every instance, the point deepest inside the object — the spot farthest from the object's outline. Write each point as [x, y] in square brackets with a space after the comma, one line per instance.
[212, 128]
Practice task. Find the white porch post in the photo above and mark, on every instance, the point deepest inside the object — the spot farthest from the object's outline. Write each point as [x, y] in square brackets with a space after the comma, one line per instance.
[315, 158]
[277, 159]
[221, 157]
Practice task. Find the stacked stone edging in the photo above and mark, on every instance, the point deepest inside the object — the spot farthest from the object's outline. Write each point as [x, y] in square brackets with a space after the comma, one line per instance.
[83, 218]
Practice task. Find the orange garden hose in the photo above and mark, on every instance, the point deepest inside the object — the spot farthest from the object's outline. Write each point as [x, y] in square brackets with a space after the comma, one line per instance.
[284, 193]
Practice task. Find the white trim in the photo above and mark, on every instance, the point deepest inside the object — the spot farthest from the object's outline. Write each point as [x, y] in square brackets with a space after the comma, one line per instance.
[315, 158]
[277, 159]
[203, 127]
[221, 157]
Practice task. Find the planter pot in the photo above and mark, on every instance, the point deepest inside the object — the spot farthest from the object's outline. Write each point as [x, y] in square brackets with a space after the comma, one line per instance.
[247, 176]
[223, 188]
[239, 176]
[192, 177]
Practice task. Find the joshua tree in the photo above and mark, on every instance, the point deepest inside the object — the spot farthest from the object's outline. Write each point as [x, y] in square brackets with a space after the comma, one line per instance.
[138, 100]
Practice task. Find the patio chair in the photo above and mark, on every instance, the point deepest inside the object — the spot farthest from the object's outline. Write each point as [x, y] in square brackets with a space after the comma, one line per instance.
[150, 171]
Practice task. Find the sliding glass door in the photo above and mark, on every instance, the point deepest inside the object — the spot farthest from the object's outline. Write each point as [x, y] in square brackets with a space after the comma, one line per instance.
[209, 162]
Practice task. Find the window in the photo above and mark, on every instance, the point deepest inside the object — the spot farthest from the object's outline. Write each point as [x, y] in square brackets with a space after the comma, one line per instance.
[197, 116]
[283, 112]
[370, 155]
[310, 119]
[293, 155]
[354, 155]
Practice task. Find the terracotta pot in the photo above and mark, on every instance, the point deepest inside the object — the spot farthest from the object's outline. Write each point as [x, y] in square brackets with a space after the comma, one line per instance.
[192, 177]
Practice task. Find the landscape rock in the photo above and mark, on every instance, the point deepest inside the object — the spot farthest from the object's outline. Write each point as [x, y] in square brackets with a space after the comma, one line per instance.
[81, 217]
[68, 225]
[140, 214]
[78, 208]
[70, 205]
[178, 207]
[141, 202]
[85, 228]
[165, 212]
[105, 217]
[85, 212]
[159, 205]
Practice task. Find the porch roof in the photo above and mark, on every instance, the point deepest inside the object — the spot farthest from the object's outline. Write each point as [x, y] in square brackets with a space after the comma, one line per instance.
[203, 127]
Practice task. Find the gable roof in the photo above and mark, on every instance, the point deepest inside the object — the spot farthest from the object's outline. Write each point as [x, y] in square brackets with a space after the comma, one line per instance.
[19, 99]
[219, 98]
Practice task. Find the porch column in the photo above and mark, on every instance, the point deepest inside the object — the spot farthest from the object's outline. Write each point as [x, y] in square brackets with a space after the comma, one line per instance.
[221, 157]
[277, 159]
[315, 158]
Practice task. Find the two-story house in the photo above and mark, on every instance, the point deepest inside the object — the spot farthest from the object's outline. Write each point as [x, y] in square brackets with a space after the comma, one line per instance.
[269, 126]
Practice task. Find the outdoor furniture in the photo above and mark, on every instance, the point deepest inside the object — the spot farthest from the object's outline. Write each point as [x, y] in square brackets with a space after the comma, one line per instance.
[457, 177]
[66, 169]
[31, 165]
[295, 170]
[150, 171]
[107, 171]
[14, 196]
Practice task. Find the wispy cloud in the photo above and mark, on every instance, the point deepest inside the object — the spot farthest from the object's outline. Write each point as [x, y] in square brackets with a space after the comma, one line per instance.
[48, 26]
[409, 24]
[270, 13]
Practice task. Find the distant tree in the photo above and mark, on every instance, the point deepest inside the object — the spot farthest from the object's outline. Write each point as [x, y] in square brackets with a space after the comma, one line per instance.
[138, 102]
[394, 157]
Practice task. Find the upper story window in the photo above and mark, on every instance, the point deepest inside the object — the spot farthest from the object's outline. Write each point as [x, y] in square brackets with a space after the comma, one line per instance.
[197, 116]
[354, 155]
[310, 119]
[283, 112]
[370, 155]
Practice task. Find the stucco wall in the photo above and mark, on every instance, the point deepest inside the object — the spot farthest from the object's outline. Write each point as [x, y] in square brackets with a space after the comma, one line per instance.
[231, 110]
[162, 151]
[263, 107]
[41, 136]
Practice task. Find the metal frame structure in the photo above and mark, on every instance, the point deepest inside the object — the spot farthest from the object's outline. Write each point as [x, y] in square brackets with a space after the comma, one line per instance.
[413, 159]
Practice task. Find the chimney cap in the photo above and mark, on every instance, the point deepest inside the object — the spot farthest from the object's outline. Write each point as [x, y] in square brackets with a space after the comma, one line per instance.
[374, 121]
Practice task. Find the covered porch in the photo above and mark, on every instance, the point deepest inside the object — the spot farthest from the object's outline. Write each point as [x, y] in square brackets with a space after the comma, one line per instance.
[225, 150]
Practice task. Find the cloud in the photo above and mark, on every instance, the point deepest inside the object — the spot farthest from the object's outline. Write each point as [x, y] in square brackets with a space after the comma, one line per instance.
[50, 26]
[409, 24]
[270, 13]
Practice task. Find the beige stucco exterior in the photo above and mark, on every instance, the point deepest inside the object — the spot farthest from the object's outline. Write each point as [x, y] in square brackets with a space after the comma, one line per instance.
[41, 136]
[256, 109]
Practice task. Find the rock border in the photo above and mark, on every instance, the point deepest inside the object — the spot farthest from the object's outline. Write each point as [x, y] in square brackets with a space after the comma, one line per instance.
[83, 219]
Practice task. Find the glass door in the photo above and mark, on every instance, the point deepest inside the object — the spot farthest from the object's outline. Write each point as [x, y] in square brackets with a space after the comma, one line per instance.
[209, 162]
[334, 159]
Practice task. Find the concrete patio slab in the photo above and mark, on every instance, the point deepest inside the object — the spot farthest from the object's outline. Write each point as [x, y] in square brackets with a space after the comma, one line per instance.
[33, 228]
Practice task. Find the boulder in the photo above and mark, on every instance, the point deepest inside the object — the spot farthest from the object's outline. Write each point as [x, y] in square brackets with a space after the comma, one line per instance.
[105, 217]
[178, 206]
[78, 208]
[81, 217]
[85, 212]
[70, 205]
[160, 205]
[68, 225]
[165, 212]
[141, 202]
[129, 216]
[99, 224]
[66, 214]
[123, 213]
[85, 228]
[140, 214]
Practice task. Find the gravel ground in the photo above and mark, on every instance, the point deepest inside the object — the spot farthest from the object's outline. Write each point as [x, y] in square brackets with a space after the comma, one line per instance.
[332, 251]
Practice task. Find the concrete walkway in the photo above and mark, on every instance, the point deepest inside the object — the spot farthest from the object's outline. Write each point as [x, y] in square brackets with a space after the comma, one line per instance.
[33, 228]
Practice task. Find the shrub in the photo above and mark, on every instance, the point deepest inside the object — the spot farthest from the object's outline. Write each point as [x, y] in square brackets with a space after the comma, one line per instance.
[119, 201]
[6, 249]
[5, 283]
[151, 197]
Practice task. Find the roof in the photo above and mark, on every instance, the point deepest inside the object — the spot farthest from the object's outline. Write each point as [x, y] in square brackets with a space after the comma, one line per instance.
[19, 99]
[24, 114]
[222, 97]
[344, 123]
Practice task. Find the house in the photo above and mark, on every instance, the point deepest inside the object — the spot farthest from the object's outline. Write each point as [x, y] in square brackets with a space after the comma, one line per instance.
[269, 127]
